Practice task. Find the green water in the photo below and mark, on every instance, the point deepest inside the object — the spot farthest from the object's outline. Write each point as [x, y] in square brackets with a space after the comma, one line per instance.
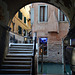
[51, 68]
[68, 69]
[54, 68]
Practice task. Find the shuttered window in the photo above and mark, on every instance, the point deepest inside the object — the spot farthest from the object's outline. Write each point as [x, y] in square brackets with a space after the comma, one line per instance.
[61, 16]
[24, 32]
[42, 13]
[19, 30]
[20, 15]
[24, 19]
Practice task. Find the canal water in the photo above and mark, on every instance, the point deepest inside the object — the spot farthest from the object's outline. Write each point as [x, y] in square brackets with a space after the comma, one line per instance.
[53, 68]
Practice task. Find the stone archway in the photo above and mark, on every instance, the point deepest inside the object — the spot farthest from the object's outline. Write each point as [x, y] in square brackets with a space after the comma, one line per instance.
[10, 7]
[66, 6]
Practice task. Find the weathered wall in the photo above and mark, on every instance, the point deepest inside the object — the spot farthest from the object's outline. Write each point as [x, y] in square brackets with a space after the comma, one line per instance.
[67, 6]
[13, 6]
[53, 30]
[4, 18]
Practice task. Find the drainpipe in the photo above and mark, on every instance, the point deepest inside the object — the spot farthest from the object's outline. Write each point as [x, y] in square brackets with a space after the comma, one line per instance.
[42, 59]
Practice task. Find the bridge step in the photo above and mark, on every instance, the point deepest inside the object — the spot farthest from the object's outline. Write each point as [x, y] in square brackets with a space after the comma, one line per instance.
[18, 60]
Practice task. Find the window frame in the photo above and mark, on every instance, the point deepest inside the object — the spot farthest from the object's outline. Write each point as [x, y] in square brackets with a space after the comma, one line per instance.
[20, 15]
[60, 17]
[47, 47]
[45, 14]
[18, 30]
[25, 20]
[25, 32]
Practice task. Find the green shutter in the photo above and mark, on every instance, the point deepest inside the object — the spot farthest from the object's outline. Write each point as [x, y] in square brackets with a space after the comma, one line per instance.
[24, 19]
[20, 15]
[25, 32]
[19, 30]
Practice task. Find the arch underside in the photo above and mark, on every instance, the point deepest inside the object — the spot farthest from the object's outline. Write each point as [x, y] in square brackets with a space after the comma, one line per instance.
[15, 5]
[67, 6]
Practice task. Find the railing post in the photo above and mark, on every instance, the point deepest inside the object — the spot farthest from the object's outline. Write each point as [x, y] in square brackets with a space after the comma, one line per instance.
[42, 59]
[34, 53]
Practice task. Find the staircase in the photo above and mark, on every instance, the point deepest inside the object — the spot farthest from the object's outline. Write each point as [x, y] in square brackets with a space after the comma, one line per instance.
[18, 60]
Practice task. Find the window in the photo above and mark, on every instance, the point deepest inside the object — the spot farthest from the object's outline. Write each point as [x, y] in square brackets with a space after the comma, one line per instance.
[13, 26]
[43, 43]
[61, 16]
[24, 19]
[20, 15]
[19, 30]
[24, 32]
[42, 13]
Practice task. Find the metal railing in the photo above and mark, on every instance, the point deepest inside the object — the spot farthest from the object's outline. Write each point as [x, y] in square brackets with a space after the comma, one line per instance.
[33, 57]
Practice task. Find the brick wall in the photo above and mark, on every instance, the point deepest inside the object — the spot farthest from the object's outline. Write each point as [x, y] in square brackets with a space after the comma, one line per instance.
[53, 30]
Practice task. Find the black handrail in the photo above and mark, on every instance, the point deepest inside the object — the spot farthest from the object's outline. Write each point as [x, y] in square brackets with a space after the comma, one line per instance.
[33, 57]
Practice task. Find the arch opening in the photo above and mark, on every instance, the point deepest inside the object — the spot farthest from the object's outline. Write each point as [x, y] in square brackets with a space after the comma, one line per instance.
[53, 32]
[66, 6]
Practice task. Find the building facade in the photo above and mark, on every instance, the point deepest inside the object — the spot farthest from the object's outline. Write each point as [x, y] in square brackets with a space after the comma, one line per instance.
[20, 26]
[51, 26]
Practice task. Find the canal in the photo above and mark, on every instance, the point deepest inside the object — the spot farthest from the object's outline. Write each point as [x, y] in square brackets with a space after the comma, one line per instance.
[53, 68]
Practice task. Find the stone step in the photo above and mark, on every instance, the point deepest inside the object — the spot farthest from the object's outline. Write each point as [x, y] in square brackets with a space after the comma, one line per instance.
[19, 55]
[18, 49]
[7, 66]
[18, 62]
[26, 47]
[21, 44]
[18, 58]
[26, 52]
[12, 71]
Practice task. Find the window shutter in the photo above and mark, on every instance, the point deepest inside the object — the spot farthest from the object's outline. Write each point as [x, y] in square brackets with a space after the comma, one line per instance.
[38, 13]
[20, 15]
[58, 14]
[25, 33]
[32, 15]
[42, 15]
[19, 30]
[65, 18]
[61, 16]
[24, 19]
[46, 13]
